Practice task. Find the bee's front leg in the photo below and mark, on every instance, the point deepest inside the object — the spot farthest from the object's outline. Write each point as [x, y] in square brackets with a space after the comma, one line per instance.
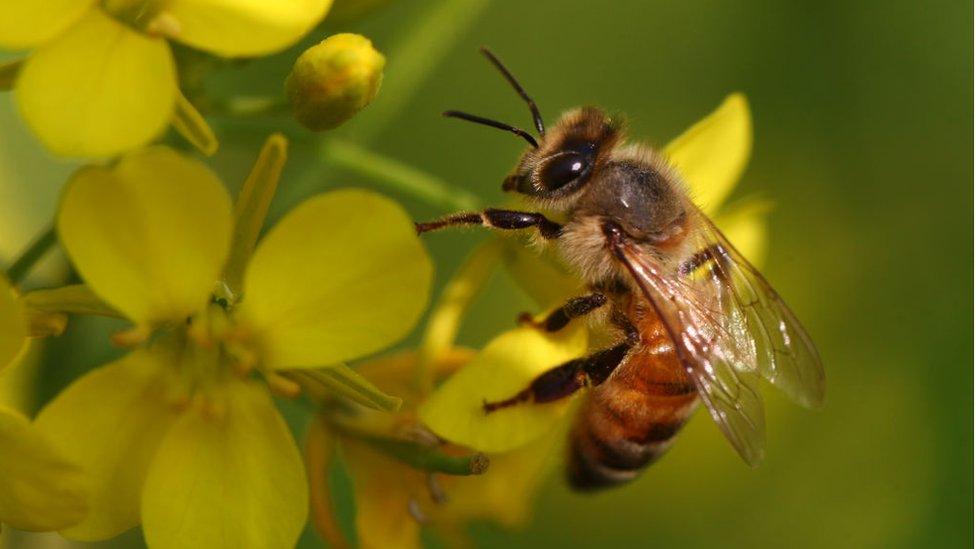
[496, 219]
[574, 308]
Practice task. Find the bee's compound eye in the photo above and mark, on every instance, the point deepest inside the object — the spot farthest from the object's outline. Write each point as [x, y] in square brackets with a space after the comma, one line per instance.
[564, 169]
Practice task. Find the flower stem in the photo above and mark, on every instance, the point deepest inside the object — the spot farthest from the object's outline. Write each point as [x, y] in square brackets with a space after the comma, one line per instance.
[417, 455]
[34, 252]
[399, 176]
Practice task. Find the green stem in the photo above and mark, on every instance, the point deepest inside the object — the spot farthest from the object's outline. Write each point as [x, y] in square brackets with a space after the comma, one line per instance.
[399, 176]
[417, 455]
[23, 264]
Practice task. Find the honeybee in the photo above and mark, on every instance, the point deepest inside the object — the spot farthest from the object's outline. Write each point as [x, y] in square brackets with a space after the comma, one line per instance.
[695, 320]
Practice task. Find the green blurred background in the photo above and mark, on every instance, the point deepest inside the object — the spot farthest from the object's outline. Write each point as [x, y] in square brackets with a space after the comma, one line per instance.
[863, 139]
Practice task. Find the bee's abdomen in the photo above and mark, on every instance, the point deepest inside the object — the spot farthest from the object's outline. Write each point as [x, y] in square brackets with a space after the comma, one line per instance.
[629, 421]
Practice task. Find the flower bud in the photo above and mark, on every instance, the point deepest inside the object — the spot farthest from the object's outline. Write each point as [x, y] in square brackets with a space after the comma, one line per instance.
[333, 80]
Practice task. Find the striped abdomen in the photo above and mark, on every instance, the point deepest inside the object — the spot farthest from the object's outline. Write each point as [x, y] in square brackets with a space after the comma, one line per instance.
[629, 420]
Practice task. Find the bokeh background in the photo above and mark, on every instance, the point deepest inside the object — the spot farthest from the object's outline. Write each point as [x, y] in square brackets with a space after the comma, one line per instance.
[863, 140]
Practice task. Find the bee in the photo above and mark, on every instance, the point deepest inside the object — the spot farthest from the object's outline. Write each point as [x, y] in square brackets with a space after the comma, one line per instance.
[695, 321]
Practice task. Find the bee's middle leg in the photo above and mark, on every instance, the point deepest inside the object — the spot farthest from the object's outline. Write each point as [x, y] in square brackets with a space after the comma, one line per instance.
[569, 377]
[573, 308]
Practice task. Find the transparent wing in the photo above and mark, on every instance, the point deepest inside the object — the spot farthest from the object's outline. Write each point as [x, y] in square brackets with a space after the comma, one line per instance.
[712, 347]
[784, 354]
[729, 327]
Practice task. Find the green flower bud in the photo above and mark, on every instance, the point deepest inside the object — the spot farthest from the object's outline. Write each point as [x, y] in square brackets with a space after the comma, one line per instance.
[333, 80]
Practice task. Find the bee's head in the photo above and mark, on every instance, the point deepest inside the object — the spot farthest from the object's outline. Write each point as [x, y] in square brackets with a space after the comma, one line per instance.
[561, 161]
[566, 158]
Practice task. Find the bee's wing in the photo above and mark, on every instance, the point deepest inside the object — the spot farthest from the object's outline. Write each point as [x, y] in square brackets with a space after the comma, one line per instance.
[784, 354]
[707, 348]
[728, 326]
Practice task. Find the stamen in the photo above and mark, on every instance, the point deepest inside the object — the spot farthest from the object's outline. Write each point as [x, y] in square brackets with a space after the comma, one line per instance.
[212, 408]
[413, 507]
[242, 359]
[282, 386]
[164, 25]
[131, 337]
[437, 494]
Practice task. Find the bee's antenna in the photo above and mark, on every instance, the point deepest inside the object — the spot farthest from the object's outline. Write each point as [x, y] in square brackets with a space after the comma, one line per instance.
[536, 116]
[494, 124]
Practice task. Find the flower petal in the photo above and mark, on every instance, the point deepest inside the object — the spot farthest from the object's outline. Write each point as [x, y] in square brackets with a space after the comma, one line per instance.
[342, 275]
[505, 493]
[507, 365]
[27, 24]
[711, 155]
[234, 479]
[13, 328]
[745, 227]
[98, 90]
[150, 235]
[235, 28]
[40, 489]
[111, 421]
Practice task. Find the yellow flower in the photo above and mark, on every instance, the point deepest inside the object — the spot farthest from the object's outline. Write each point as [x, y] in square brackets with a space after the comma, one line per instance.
[176, 434]
[403, 476]
[333, 80]
[499, 371]
[394, 500]
[710, 156]
[39, 488]
[101, 79]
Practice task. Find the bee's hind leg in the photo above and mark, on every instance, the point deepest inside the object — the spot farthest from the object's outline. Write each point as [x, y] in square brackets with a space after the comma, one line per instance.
[569, 377]
[574, 308]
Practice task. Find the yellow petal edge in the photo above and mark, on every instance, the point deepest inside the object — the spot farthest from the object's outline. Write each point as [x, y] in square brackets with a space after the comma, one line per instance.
[149, 236]
[712, 154]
